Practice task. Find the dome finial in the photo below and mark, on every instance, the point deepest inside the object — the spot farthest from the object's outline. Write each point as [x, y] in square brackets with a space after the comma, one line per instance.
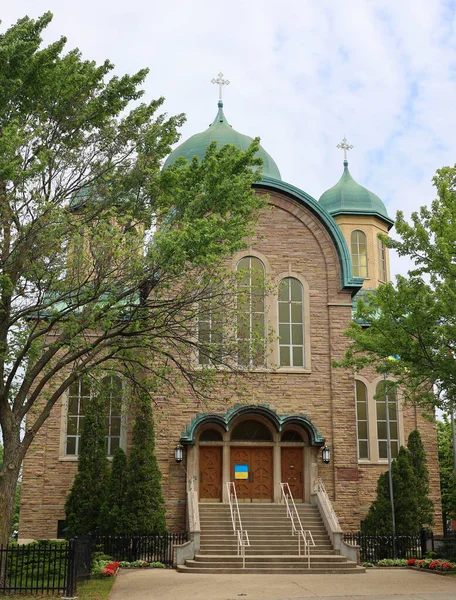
[220, 82]
[344, 145]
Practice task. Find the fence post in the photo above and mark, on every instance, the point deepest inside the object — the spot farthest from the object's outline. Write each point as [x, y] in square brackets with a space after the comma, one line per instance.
[71, 571]
[423, 541]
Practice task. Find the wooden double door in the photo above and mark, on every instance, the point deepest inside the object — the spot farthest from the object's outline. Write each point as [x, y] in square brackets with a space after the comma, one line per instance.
[292, 470]
[252, 471]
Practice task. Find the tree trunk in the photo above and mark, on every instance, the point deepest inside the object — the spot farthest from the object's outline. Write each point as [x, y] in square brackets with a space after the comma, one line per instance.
[8, 481]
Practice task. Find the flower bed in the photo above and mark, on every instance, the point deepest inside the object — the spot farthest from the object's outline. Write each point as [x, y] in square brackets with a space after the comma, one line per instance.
[432, 564]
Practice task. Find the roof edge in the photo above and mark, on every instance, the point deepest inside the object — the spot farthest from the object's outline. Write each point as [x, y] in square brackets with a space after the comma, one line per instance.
[348, 281]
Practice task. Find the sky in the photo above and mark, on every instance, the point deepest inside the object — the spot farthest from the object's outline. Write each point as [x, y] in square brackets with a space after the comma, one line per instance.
[303, 74]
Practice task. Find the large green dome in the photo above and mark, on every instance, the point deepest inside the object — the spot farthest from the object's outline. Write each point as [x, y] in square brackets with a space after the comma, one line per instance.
[221, 132]
[348, 197]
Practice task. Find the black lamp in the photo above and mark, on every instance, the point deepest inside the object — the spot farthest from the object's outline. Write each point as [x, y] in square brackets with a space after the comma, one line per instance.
[178, 453]
[326, 454]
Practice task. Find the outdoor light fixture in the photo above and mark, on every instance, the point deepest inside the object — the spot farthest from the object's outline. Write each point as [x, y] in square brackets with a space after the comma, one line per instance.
[326, 454]
[178, 453]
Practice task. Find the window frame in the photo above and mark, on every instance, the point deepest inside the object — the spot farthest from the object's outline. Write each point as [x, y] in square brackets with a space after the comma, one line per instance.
[356, 265]
[366, 420]
[382, 262]
[290, 324]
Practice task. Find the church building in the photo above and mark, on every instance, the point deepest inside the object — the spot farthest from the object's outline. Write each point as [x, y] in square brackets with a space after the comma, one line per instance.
[320, 255]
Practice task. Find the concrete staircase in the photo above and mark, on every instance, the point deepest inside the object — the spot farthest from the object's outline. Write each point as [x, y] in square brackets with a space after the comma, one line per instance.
[273, 548]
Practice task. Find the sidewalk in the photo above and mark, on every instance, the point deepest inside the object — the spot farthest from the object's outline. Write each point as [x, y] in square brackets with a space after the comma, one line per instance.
[378, 584]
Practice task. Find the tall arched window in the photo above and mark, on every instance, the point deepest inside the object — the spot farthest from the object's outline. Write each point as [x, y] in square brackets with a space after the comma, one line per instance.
[251, 325]
[381, 260]
[362, 428]
[359, 253]
[387, 397]
[112, 387]
[210, 331]
[79, 395]
[291, 323]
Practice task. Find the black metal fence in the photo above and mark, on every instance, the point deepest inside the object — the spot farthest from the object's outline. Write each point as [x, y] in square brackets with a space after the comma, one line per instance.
[38, 568]
[150, 548]
[376, 547]
[57, 567]
[443, 545]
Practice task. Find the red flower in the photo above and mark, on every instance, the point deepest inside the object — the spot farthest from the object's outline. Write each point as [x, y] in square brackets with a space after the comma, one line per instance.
[435, 564]
[411, 561]
[446, 566]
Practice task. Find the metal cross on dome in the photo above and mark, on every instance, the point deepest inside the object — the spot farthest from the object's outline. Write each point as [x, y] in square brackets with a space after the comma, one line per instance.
[344, 145]
[220, 82]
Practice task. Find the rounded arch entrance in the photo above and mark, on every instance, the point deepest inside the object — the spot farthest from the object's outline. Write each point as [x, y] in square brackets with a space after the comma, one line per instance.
[257, 449]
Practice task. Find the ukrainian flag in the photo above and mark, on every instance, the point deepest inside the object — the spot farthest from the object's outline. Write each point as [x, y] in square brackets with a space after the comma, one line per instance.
[241, 471]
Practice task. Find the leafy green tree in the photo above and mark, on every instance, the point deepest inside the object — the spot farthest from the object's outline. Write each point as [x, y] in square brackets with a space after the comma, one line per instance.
[414, 319]
[418, 462]
[114, 509]
[86, 497]
[145, 506]
[446, 463]
[96, 242]
[406, 507]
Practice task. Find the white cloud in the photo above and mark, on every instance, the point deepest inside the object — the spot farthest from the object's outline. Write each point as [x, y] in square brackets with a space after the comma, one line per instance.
[303, 74]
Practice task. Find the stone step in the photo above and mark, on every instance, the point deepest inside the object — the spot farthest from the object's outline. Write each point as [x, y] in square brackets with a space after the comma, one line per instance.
[265, 569]
[255, 551]
[292, 564]
[284, 558]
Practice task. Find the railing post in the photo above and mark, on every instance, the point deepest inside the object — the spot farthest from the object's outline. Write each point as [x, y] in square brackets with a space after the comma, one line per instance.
[423, 540]
[71, 571]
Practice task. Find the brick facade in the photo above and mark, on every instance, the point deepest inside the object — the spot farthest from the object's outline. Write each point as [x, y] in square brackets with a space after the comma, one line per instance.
[292, 239]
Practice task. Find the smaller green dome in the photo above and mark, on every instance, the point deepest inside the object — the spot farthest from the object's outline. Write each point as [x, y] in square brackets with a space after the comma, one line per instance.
[220, 131]
[348, 197]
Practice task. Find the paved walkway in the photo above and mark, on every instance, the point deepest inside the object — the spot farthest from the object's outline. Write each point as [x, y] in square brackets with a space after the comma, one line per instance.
[388, 584]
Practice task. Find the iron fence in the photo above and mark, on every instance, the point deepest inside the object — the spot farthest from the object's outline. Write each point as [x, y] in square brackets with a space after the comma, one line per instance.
[38, 568]
[57, 567]
[150, 548]
[377, 547]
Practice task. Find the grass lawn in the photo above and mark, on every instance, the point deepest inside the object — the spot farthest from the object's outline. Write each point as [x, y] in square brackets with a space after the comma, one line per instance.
[94, 589]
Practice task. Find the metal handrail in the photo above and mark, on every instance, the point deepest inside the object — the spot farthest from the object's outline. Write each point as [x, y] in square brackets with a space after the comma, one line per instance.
[319, 487]
[292, 512]
[242, 535]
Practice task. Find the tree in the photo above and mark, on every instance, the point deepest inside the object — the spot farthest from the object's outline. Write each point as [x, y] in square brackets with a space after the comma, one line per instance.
[418, 462]
[103, 257]
[144, 503]
[446, 463]
[406, 507]
[414, 320]
[113, 511]
[86, 497]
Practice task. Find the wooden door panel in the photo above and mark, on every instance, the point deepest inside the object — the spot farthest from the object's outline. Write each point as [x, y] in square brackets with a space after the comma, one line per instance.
[262, 474]
[241, 456]
[292, 471]
[259, 484]
[211, 473]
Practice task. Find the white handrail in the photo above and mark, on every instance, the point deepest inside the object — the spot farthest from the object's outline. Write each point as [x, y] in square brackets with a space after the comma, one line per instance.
[241, 534]
[296, 525]
[319, 488]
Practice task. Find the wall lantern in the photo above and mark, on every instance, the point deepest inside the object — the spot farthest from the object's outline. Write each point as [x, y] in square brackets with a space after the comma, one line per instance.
[178, 453]
[326, 454]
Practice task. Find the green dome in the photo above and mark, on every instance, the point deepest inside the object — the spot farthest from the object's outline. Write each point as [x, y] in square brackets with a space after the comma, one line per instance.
[221, 132]
[348, 197]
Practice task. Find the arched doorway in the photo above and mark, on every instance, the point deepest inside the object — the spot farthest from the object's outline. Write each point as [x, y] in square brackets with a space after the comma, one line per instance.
[255, 448]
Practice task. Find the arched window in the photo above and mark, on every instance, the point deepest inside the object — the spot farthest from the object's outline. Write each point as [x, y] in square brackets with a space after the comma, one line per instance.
[112, 387]
[362, 420]
[251, 431]
[210, 331]
[291, 436]
[291, 323]
[211, 435]
[251, 323]
[79, 395]
[381, 260]
[359, 253]
[387, 397]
